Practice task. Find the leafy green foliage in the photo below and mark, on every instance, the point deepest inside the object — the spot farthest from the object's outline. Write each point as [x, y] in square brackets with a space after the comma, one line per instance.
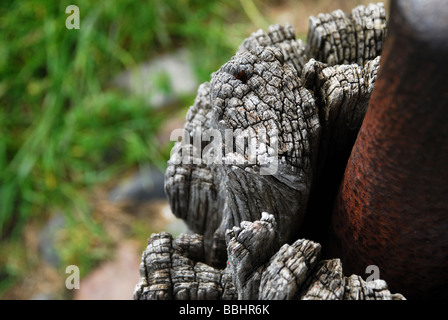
[63, 128]
[60, 129]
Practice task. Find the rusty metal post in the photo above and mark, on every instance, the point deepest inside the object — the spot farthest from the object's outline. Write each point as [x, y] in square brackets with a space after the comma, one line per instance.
[392, 207]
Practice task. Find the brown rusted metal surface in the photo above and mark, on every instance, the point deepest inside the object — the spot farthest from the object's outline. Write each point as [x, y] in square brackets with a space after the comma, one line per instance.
[392, 207]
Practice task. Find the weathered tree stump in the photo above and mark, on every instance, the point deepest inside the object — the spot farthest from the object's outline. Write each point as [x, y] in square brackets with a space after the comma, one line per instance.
[260, 221]
[308, 109]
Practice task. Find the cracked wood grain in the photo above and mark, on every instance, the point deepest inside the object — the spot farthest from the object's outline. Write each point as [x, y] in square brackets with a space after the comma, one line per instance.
[257, 268]
[308, 102]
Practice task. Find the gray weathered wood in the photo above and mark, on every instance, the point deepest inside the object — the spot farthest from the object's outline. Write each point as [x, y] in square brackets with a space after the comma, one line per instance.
[283, 38]
[310, 101]
[339, 38]
[327, 283]
[257, 268]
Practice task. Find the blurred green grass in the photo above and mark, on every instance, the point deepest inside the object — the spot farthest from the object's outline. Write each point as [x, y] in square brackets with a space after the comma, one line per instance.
[63, 129]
